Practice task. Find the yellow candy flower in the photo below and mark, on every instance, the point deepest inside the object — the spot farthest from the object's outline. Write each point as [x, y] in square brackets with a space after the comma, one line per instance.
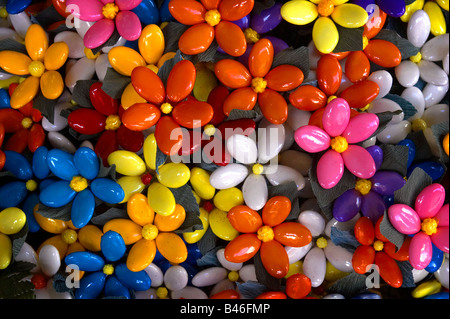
[41, 63]
[325, 13]
[12, 220]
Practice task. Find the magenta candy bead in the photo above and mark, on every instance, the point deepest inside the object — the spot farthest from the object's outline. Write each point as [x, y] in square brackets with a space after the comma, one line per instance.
[404, 219]
[361, 127]
[336, 117]
[440, 239]
[99, 33]
[127, 4]
[359, 162]
[128, 25]
[330, 169]
[442, 216]
[420, 251]
[430, 200]
[88, 10]
[312, 138]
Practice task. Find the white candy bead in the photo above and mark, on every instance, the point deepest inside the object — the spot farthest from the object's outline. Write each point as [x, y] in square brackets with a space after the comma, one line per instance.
[386, 105]
[228, 176]
[315, 265]
[442, 274]
[248, 273]
[436, 49]
[255, 191]
[339, 257]
[156, 275]
[432, 73]
[414, 96]
[176, 278]
[225, 263]
[209, 276]
[407, 73]
[49, 260]
[418, 28]
[74, 41]
[297, 253]
[59, 122]
[313, 221]
[57, 140]
[384, 80]
[84, 69]
[394, 133]
[433, 94]
[270, 142]
[189, 292]
[242, 148]
[284, 174]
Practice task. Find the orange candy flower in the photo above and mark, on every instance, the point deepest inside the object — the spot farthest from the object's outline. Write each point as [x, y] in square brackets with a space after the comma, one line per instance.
[266, 233]
[211, 19]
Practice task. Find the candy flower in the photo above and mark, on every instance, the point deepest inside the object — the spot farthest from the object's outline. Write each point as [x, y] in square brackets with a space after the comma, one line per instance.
[170, 100]
[148, 232]
[12, 220]
[427, 222]
[78, 183]
[258, 83]
[25, 125]
[41, 64]
[107, 273]
[367, 196]
[339, 133]
[105, 118]
[266, 233]
[376, 249]
[325, 13]
[108, 15]
[209, 20]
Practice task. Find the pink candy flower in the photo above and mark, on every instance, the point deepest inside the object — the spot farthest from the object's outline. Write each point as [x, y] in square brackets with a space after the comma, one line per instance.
[107, 15]
[427, 222]
[340, 131]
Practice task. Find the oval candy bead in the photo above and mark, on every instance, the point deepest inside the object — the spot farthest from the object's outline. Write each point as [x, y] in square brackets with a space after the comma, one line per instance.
[113, 246]
[172, 247]
[85, 261]
[221, 226]
[404, 219]
[161, 199]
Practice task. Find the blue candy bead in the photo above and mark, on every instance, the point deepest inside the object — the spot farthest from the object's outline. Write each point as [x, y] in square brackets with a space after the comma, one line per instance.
[113, 246]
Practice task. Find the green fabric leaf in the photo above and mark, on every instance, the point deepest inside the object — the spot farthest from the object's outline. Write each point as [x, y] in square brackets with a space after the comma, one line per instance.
[262, 5]
[172, 32]
[384, 119]
[439, 131]
[407, 273]
[45, 106]
[109, 172]
[350, 39]
[12, 285]
[350, 285]
[298, 57]
[61, 213]
[18, 240]
[406, 48]
[81, 92]
[408, 109]
[237, 114]
[164, 71]
[209, 259]
[392, 234]
[264, 277]
[290, 191]
[207, 242]
[344, 238]
[112, 213]
[416, 182]
[250, 289]
[47, 17]
[12, 45]
[185, 197]
[59, 283]
[395, 158]
[114, 83]
[423, 150]
[408, 2]
[161, 158]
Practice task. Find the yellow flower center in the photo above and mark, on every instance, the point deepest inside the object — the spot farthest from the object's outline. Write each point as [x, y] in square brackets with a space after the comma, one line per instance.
[363, 186]
[31, 185]
[429, 226]
[339, 144]
[209, 130]
[69, 236]
[36, 68]
[27, 122]
[325, 8]
[321, 242]
[378, 245]
[365, 42]
[3, 13]
[78, 183]
[166, 108]
[251, 35]
[416, 58]
[112, 122]
[212, 17]
[257, 169]
[149, 232]
[418, 125]
[265, 234]
[90, 55]
[110, 10]
[233, 276]
[162, 292]
[108, 269]
[259, 85]
[153, 67]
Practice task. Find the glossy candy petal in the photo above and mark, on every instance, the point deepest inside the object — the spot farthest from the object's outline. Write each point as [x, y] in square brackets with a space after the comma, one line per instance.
[364, 231]
[86, 162]
[25, 92]
[336, 117]
[261, 58]
[181, 81]
[292, 234]
[124, 60]
[85, 261]
[187, 12]
[273, 106]
[114, 288]
[274, 258]
[83, 207]
[242, 148]
[373, 206]
[393, 8]
[242, 248]
[36, 42]
[173, 175]
[242, 99]
[107, 190]
[361, 127]
[312, 139]
[284, 78]
[325, 35]
[357, 66]
[360, 94]
[299, 13]
[347, 205]
[168, 135]
[363, 257]
[359, 162]
[429, 201]
[101, 101]
[230, 38]
[127, 163]
[172, 247]
[440, 238]
[266, 20]
[233, 10]
[99, 33]
[61, 164]
[404, 219]
[420, 251]
[39, 163]
[155, 193]
[307, 98]
[141, 116]
[330, 169]
[88, 11]
[386, 183]
[18, 165]
[57, 194]
[17, 6]
[232, 73]
[87, 121]
[196, 39]
[276, 210]
[113, 246]
[148, 85]
[329, 74]
[244, 219]
[255, 191]
[128, 25]
[91, 286]
[141, 255]
[383, 53]
[139, 281]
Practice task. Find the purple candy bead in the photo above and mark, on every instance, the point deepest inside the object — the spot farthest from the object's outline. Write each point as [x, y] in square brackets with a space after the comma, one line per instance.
[386, 183]
[243, 23]
[347, 205]
[373, 206]
[377, 154]
[267, 20]
[394, 8]
[366, 5]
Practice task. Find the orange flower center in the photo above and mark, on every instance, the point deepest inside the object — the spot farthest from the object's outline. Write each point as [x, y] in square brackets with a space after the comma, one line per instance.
[325, 8]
